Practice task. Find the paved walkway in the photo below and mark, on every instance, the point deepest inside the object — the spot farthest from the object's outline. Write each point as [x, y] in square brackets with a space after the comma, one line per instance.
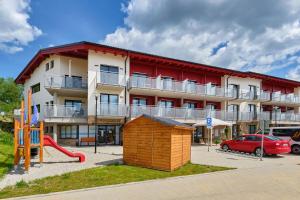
[273, 178]
[57, 163]
[279, 182]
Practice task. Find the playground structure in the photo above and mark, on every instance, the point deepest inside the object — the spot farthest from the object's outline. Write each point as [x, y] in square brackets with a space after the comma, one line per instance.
[28, 136]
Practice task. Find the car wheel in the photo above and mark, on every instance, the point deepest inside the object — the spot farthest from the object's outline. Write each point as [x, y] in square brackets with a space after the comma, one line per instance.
[257, 152]
[296, 149]
[225, 147]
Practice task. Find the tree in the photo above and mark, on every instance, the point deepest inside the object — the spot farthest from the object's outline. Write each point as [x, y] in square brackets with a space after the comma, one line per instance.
[10, 95]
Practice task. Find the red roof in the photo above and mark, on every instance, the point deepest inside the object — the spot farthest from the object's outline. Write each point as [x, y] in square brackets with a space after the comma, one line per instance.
[80, 50]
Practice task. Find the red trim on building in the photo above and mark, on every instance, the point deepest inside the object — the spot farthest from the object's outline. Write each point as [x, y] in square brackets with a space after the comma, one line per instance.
[81, 49]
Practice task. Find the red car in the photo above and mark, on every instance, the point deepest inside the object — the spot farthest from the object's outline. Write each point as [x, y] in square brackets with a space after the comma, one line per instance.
[251, 143]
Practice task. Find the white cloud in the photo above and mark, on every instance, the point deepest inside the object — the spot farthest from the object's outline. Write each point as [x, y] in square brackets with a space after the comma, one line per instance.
[16, 31]
[260, 34]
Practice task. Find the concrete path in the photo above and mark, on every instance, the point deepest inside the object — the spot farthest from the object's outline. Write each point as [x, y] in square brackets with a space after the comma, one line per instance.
[259, 183]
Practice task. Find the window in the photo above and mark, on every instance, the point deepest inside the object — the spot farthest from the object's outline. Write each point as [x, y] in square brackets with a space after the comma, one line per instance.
[235, 90]
[36, 88]
[67, 132]
[211, 107]
[51, 64]
[73, 107]
[140, 80]
[253, 91]
[251, 108]
[139, 102]
[109, 74]
[252, 129]
[166, 104]
[38, 107]
[47, 66]
[73, 81]
[190, 105]
[109, 104]
[109, 99]
[285, 132]
[191, 86]
[167, 83]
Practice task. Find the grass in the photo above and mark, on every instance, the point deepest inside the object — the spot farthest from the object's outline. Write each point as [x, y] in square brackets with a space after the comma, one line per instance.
[99, 176]
[6, 152]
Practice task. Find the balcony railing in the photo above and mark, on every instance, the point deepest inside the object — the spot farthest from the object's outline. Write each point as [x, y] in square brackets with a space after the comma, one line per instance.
[250, 95]
[110, 78]
[112, 110]
[63, 111]
[285, 98]
[182, 113]
[178, 86]
[66, 82]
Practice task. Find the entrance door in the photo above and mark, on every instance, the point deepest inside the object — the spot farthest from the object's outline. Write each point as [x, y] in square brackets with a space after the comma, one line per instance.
[106, 134]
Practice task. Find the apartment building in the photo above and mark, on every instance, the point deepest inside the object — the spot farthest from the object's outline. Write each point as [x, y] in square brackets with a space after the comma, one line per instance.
[85, 88]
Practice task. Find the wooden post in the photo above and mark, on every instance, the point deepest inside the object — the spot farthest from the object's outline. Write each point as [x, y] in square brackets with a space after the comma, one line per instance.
[41, 141]
[27, 146]
[29, 107]
[16, 143]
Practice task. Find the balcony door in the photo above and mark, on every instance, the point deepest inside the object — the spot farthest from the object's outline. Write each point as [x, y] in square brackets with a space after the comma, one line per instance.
[211, 89]
[73, 108]
[234, 89]
[252, 110]
[253, 91]
[139, 106]
[167, 83]
[106, 134]
[109, 74]
[211, 110]
[233, 111]
[190, 107]
[191, 86]
[109, 104]
[141, 80]
[73, 81]
[165, 108]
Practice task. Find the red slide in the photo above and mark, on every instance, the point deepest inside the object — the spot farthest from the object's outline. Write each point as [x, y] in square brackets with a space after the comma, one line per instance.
[48, 141]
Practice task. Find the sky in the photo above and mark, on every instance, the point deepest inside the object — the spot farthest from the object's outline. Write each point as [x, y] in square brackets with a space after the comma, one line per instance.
[248, 35]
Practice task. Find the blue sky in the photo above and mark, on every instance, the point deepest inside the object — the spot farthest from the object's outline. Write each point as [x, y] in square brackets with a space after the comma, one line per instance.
[224, 33]
[64, 22]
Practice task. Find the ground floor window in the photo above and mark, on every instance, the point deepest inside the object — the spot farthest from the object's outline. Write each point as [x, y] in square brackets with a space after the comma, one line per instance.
[69, 131]
[252, 129]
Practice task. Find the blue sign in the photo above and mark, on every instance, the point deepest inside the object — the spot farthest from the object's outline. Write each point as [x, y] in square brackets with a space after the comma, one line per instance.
[208, 122]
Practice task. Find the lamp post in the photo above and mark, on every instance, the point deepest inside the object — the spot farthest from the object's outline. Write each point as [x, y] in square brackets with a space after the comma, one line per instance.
[96, 112]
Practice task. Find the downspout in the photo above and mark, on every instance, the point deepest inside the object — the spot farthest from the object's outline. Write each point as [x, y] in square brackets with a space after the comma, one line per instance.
[125, 94]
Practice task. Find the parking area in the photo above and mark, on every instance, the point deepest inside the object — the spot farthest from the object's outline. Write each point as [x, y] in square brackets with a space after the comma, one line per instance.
[215, 156]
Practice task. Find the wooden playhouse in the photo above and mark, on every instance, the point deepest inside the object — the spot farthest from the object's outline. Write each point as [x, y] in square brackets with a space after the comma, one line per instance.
[157, 143]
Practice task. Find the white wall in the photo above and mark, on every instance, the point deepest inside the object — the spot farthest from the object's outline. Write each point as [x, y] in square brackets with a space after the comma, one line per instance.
[61, 68]
[95, 59]
[244, 85]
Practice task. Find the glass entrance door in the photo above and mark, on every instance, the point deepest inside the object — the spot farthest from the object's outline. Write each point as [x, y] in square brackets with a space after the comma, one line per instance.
[106, 134]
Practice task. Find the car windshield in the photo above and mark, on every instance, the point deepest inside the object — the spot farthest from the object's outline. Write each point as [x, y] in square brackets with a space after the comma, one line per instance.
[272, 138]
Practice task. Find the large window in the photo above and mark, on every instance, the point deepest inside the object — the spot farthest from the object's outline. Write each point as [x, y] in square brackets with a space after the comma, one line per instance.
[253, 91]
[36, 88]
[190, 105]
[109, 74]
[73, 81]
[109, 99]
[73, 108]
[166, 104]
[69, 131]
[109, 104]
[235, 90]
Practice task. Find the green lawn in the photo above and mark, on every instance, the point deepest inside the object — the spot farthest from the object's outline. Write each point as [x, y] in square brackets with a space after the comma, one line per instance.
[6, 152]
[99, 176]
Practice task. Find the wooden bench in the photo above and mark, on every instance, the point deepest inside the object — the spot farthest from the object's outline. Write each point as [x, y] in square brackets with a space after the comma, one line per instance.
[87, 140]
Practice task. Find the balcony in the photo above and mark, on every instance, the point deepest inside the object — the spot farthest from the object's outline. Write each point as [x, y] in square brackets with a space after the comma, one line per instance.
[177, 89]
[110, 80]
[283, 99]
[182, 114]
[112, 110]
[63, 113]
[247, 95]
[66, 85]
